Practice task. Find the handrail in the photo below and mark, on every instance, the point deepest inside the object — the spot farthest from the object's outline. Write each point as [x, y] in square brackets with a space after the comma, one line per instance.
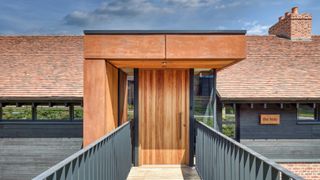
[214, 149]
[84, 158]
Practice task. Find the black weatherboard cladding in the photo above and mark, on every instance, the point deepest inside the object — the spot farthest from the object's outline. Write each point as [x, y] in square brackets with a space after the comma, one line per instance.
[286, 142]
[41, 130]
[288, 128]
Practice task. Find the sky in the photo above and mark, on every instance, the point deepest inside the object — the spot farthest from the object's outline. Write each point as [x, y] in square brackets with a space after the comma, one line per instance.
[71, 17]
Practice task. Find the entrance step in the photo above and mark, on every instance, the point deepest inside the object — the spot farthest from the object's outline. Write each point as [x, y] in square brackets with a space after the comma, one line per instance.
[163, 172]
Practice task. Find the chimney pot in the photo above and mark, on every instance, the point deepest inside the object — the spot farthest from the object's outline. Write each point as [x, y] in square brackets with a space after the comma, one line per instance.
[293, 26]
[281, 18]
[294, 10]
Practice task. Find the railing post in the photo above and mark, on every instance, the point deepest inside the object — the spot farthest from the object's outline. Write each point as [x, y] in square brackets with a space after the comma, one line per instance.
[214, 99]
[71, 112]
[0, 111]
[136, 118]
[34, 111]
[237, 118]
[192, 128]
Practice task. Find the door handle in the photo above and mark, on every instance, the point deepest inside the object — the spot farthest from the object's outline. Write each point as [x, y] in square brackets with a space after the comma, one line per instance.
[180, 125]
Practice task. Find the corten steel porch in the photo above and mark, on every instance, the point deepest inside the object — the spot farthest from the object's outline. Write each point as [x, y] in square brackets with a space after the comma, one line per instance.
[162, 63]
[163, 130]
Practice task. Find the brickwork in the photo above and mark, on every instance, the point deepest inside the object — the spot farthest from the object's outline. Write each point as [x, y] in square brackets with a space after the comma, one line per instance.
[293, 26]
[309, 171]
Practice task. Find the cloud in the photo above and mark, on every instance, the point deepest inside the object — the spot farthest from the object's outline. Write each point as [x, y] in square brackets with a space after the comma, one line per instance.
[127, 8]
[80, 18]
[192, 3]
[255, 28]
[214, 4]
[258, 29]
[114, 9]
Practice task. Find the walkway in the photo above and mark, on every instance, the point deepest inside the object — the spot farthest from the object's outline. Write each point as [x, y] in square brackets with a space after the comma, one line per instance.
[163, 172]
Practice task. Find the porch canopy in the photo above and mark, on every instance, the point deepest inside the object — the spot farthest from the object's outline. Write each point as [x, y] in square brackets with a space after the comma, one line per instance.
[214, 49]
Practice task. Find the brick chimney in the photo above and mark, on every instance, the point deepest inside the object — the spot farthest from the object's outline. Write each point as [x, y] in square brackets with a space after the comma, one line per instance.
[293, 26]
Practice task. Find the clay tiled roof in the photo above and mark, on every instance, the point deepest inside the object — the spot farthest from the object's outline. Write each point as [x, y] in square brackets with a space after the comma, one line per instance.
[275, 69]
[51, 67]
[41, 67]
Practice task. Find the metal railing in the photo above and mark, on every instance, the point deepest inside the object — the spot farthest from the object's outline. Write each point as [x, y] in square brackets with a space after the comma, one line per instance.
[107, 158]
[220, 157]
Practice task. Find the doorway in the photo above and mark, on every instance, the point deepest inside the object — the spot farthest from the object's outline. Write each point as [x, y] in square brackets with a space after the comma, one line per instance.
[163, 116]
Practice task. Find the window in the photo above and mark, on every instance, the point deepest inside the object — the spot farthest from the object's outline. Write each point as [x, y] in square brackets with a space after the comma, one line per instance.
[11, 112]
[53, 113]
[78, 113]
[42, 111]
[130, 107]
[306, 112]
[228, 121]
[203, 96]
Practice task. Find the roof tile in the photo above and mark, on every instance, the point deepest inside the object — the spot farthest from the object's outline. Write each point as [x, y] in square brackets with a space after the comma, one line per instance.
[275, 69]
[41, 66]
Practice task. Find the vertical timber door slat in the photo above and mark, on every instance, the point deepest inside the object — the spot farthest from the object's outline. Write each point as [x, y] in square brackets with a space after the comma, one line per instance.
[164, 115]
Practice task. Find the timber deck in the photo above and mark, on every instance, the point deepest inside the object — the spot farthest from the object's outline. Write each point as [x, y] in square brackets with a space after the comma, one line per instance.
[163, 172]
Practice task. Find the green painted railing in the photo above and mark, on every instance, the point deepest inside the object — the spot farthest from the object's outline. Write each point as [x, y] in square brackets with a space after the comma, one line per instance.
[107, 158]
[220, 157]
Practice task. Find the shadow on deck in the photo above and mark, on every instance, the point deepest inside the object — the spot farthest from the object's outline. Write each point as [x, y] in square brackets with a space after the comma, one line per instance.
[163, 172]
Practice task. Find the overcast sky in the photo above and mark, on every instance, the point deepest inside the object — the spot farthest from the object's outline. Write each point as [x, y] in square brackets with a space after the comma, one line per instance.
[33, 17]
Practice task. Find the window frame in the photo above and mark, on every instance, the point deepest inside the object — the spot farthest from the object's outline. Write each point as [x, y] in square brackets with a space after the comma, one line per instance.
[34, 104]
[316, 111]
[73, 115]
[209, 75]
[16, 106]
[67, 110]
[226, 122]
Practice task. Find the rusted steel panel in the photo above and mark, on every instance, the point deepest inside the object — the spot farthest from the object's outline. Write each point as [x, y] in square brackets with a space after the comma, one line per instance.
[100, 99]
[124, 46]
[205, 47]
[123, 97]
[212, 64]
[94, 100]
[111, 98]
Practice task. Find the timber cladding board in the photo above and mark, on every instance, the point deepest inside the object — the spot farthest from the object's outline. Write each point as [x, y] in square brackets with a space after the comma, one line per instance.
[163, 116]
[100, 99]
[169, 47]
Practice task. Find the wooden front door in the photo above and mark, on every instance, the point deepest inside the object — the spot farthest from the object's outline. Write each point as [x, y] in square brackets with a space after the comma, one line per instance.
[163, 116]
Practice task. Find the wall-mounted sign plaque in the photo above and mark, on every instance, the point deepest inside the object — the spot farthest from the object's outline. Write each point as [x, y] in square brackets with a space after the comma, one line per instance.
[270, 119]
